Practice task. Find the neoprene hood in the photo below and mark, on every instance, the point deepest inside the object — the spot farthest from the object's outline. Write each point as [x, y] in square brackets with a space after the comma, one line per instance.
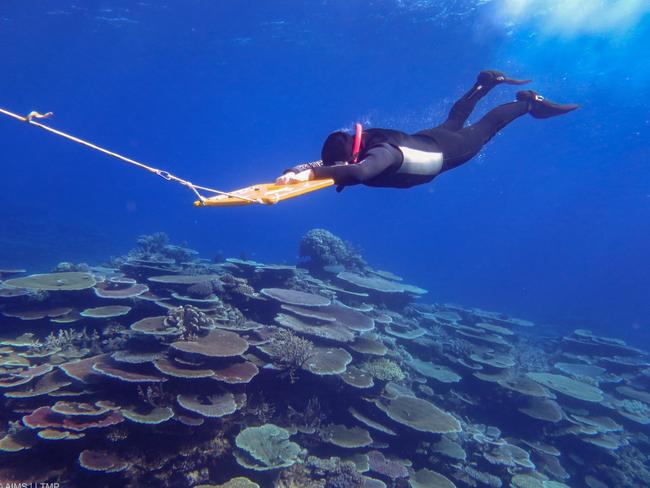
[337, 147]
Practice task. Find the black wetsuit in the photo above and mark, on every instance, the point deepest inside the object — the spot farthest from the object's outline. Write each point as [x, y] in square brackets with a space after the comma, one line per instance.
[384, 152]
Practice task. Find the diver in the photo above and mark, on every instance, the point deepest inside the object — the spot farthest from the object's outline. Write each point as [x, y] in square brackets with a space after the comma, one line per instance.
[394, 159]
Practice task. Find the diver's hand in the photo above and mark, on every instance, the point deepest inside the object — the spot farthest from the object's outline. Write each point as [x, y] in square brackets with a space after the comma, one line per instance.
[285, 179]
[291, 177]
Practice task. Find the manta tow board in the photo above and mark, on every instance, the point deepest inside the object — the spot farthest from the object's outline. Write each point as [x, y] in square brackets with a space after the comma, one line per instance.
[265, 193]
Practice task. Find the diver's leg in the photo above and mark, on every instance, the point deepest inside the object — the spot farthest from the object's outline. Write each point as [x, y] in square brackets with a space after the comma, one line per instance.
[492, 122]
[469, 141]
[461, 146]
[464, 106]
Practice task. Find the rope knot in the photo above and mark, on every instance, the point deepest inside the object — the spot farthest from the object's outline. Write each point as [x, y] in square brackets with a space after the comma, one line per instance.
[35, 115]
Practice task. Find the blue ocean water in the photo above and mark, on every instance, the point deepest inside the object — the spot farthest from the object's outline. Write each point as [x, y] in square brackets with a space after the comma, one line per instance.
[550, 222]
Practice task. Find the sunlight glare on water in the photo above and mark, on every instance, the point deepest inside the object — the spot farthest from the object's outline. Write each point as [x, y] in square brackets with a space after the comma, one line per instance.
[571, 18]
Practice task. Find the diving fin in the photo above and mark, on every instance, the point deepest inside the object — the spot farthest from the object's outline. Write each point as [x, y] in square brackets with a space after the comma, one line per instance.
[541, 108]
[493, 78]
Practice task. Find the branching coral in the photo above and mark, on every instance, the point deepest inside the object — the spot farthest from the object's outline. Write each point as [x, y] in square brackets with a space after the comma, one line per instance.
[189, 320]
[117, 434]
[113, 338]
[384, 369]
[65, 340]
[632, 470]
[336, 473]
[309, 418]
[457, 347]
[259, 408]
[321, 473]
[298, 476]
[290, 351]
[344, 476]
[65, 267]
[474, 477]
[155, 395]
[184, 462]
[236, 288]
[531, 358]
[13, 427]
[635, 407]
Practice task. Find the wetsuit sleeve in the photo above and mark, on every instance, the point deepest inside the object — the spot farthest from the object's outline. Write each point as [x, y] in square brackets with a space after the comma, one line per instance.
[303, 167]
[378, 159]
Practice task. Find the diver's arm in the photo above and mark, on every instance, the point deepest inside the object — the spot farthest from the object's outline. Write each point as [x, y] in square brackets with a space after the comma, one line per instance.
[302, 167]
[378, 159]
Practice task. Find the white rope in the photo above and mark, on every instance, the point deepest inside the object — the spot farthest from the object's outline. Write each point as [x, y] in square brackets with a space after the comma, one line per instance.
[163, 174]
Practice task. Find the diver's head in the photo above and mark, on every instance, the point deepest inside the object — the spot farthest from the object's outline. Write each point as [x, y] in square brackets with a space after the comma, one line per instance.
[337, 147]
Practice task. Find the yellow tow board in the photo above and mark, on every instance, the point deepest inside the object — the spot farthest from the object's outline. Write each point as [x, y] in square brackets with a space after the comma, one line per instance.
[264, 193]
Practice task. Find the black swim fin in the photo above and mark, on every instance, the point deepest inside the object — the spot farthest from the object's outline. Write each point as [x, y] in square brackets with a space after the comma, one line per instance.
[493, 78]
[541, 108]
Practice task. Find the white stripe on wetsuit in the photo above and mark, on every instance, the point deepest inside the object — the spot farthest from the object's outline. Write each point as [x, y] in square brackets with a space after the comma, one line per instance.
[417, 162]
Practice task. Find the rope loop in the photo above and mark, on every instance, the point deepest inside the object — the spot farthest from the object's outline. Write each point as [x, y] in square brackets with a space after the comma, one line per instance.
[165, 175]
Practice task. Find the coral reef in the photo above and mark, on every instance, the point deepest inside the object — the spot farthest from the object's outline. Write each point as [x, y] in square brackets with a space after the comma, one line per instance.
[161, 368]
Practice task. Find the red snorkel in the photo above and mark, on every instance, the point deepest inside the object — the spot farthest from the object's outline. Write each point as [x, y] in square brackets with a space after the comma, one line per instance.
[356, 148]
